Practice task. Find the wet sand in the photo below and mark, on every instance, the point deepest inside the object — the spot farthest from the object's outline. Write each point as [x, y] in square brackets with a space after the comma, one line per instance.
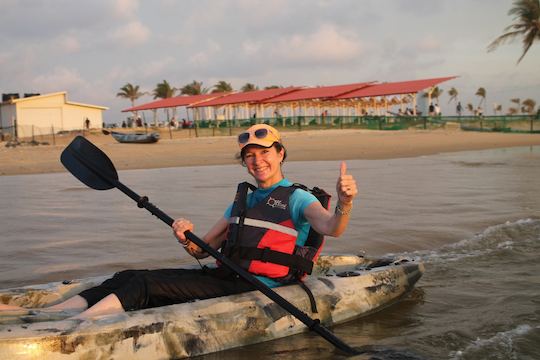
[182, 150]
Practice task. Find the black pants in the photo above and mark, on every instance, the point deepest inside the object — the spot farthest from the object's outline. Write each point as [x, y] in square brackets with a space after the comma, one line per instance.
[141, 289]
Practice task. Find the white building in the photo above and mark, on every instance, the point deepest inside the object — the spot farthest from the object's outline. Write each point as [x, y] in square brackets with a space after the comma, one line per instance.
[48, 113]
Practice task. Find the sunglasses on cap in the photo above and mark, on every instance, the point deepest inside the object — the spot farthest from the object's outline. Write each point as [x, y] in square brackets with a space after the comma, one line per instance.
[259, 134]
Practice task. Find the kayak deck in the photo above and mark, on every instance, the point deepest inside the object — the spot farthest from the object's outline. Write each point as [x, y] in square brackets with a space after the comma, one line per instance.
[345, 287]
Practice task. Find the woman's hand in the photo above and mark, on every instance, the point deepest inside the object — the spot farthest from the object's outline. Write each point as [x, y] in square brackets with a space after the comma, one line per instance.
[346, 186]
[180, 226]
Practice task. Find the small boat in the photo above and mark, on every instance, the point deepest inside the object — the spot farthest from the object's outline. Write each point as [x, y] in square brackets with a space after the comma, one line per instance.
[133, 138]
[344, 287]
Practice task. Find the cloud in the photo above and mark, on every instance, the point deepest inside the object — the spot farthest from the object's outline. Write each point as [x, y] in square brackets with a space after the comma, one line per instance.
[429, 44]
[130, 35]
[68, 43]
[204, 57]
[325, 46]
[251, 48]
[59, 79]
[157, 67]
[125, 8]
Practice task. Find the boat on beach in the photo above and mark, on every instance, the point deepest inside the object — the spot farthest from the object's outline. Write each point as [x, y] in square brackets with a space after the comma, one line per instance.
[133, 138]
[345, 287]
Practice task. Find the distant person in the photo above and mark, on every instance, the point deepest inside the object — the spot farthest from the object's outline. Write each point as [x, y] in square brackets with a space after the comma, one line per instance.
[437, 110]
[459, 109]
[87, 123]
[480, 111]
[124, 125]
[431, 109]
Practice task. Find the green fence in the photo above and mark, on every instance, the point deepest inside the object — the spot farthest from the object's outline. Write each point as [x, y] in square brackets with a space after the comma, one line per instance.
[519, 124]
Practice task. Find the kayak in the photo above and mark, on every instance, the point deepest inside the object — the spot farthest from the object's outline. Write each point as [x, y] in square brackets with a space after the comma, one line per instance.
[135, 138]
[345, 287]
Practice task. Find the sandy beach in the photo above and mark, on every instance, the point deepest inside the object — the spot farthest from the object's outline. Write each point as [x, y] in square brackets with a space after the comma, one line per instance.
[182, 150]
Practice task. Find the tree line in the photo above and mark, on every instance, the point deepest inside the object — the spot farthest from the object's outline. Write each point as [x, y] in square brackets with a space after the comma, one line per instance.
[164, 90]
[527, 106]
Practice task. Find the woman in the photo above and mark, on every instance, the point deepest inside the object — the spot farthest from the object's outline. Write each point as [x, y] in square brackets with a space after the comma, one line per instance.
[264, 231]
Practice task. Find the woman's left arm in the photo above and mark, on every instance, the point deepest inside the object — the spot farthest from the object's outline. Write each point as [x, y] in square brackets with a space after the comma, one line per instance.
[323, 221]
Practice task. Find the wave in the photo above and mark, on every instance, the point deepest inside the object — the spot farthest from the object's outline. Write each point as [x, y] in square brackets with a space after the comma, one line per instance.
[510, 236]
[500, 345]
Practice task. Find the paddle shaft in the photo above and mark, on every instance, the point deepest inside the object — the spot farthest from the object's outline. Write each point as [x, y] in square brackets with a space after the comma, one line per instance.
[314, 325]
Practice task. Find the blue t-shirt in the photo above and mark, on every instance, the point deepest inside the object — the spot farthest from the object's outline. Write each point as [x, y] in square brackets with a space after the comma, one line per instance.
[298, 202]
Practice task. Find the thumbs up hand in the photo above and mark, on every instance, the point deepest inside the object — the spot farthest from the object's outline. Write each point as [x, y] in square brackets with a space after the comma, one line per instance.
[346, 186]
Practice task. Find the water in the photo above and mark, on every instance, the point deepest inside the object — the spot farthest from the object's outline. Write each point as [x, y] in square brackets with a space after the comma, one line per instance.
[472, 217]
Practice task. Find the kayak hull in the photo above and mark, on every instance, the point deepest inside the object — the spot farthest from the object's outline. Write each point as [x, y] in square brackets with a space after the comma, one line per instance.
[205, 326]
[135, 138]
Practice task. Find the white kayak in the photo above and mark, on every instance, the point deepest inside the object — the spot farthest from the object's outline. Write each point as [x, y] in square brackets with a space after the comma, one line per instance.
[344, 286]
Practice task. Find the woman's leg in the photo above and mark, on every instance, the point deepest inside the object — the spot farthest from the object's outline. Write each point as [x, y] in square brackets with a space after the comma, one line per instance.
[86, 298]
[106, 306]
[73, 303]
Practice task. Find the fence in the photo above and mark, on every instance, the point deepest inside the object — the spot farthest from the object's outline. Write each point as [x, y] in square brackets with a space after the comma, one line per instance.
[520, 124]
[516, 124]
[33, 134]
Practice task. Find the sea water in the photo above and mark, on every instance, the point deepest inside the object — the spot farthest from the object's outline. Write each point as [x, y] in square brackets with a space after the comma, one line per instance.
[473, 218]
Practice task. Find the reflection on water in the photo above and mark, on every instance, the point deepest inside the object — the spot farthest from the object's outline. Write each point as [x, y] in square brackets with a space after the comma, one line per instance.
[459, 212]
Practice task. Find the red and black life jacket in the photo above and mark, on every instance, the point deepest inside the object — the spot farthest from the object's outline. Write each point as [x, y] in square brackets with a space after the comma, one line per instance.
[262, 239]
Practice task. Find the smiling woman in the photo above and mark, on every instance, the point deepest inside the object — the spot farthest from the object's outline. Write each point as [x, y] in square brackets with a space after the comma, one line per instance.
[274, 232]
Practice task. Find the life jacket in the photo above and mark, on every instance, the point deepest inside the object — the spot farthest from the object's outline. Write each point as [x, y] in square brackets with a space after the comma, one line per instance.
[262, 239]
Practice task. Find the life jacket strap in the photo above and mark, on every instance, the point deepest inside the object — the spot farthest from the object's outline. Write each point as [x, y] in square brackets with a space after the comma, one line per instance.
[312, 301]
[264, 224]
[275, 257]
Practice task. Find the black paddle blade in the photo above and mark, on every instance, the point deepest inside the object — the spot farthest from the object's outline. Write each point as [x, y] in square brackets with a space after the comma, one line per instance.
[89, 164]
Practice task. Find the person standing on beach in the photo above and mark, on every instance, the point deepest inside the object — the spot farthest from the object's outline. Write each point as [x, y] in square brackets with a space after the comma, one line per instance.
[459, 109]
[282, 227]
[431, 109]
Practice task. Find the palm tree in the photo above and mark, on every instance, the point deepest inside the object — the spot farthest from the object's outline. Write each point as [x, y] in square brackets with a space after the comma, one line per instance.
[512, 111]
[249, 87]
[526, 25]
[193, 88]
[222, 86]
[481, 92]
[272, 87]
[497, 108]
[515, 110]
[163, 90]
[132, 93]
[434, 93]
[528, 106]
[453, 94]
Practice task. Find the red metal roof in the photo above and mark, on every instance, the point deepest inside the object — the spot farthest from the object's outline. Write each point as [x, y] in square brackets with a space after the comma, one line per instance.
[349, 91]
[181, 100]
[394, 88]
[248, 97]
[321, 92]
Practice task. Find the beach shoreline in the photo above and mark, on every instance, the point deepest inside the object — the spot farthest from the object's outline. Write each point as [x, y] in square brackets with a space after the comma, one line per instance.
[310, 145]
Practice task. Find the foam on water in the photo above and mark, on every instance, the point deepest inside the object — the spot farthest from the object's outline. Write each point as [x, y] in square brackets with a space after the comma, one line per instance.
[499, 346]
[495, 238]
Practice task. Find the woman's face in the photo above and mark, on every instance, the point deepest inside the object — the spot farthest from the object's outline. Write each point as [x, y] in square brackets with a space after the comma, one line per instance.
[264, 164]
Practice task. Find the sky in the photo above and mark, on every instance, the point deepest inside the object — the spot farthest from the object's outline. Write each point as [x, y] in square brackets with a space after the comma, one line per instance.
[92, 48]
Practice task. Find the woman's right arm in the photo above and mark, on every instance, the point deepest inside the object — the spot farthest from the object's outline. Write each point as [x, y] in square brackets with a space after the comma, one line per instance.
[214, 237]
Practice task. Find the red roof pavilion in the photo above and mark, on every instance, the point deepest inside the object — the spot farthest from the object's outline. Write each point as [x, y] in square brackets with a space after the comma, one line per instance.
[394, 88]
[321, 92]
[255, 96]
[181, 100]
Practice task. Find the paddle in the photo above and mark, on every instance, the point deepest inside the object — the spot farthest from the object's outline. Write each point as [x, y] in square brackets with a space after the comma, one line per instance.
[93, 168]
